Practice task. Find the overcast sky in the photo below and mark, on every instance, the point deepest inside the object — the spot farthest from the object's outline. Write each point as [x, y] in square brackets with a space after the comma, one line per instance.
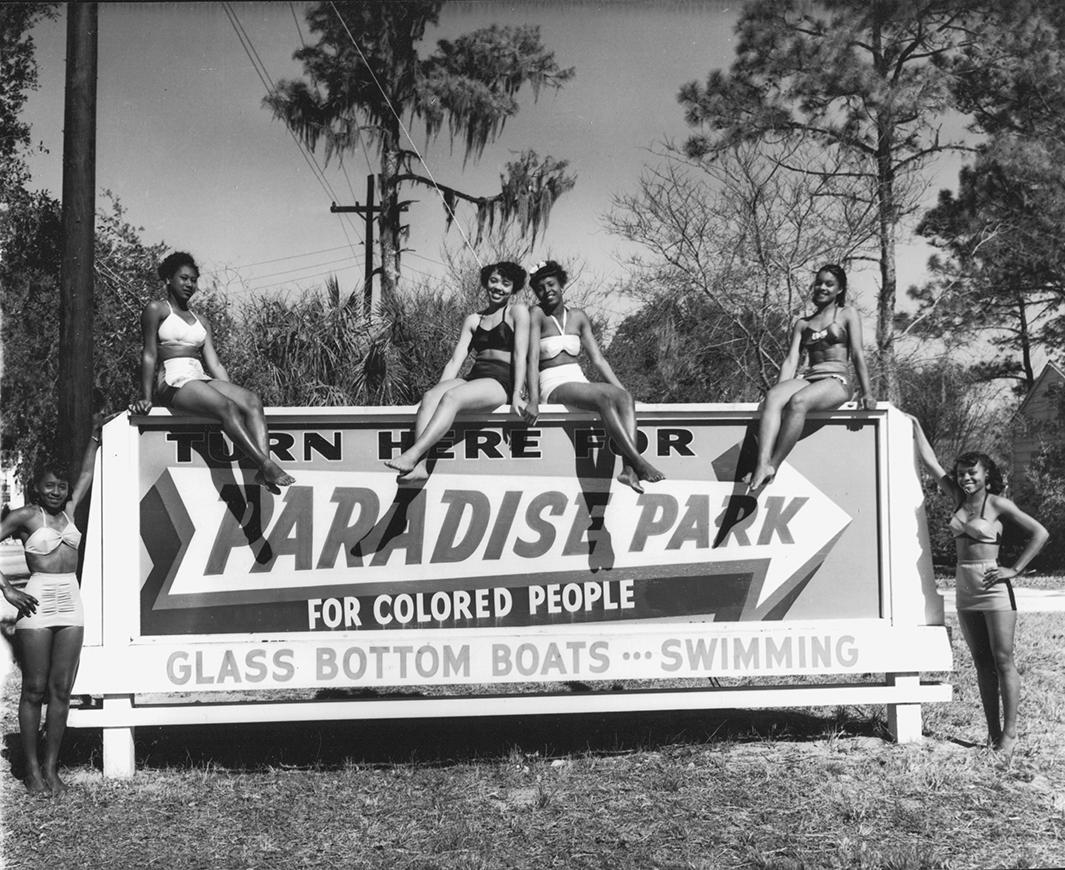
[184, 142]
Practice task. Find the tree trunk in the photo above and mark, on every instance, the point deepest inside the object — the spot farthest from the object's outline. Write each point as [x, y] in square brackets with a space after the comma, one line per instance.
[1026, 344]
[389, 229]
[887, 387]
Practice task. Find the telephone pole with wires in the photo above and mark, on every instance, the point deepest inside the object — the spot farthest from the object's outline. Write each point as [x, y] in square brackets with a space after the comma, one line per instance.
[369, 211]
[75, 387]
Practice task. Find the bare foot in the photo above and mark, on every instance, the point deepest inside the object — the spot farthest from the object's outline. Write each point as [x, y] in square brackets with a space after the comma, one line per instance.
[55, 784]
[273, 477]
[646, 471]
[35, 784]
[417, 475]
[1005, 744]
[762, 477]
[629, 477]
[276, 475]
[402, 463]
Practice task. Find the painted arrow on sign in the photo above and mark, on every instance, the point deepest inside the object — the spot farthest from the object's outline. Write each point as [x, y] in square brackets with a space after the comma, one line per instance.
[357, 534]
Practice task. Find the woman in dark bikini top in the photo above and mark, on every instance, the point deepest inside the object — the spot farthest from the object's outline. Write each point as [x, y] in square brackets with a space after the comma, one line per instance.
[827, 351]
[498, 336]
[831, 337]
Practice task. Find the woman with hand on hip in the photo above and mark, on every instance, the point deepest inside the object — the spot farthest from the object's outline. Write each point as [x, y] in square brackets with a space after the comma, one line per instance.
[831, 338]
[987, 608]
[51, 618]
[192, 379]
[557, 334]
[497, 336]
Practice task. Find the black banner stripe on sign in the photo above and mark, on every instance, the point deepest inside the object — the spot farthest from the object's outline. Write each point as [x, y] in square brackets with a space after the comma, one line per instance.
[721, 597]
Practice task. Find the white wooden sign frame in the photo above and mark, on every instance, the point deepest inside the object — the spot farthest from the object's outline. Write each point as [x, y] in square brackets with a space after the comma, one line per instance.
[908, 639]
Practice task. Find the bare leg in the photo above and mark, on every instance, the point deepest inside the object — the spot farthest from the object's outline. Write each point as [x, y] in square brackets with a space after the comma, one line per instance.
[36, 649]
[483, 394]
[975, 631]
[1001, 627]
[251, 409]
[768, 426]
[627, 412]
[66, 652]
[430, 400]
[609, 402]
[823, 395]
[198, 397]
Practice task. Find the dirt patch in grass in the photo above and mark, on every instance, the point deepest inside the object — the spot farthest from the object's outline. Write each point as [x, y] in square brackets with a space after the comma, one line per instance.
[764, 789]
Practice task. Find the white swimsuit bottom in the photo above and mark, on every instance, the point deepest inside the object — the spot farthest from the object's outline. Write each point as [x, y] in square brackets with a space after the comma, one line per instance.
[181, 369]
[58, 602]
[553, 378]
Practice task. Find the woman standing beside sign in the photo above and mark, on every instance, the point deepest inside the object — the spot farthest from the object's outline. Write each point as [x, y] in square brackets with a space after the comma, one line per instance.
[831, 338]
[192, 379]
[497, 336]
[557, 336]
[51, 620]
[987, 609]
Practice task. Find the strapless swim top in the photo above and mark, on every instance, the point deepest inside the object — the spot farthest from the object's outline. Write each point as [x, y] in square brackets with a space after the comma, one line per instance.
[46, 540]
[977, 529]
[177, 334]
[552, 345]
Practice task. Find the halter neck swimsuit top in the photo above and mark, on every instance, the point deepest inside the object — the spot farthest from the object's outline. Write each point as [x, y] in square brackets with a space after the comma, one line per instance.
[552, 345]
[46, 540]
[820, 340]
[978, 530]
[499, 337]
[176, 333]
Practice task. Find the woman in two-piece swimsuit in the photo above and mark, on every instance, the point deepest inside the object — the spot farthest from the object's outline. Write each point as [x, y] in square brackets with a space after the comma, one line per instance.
[831, 338]
[192, 379]
[497, 336]
[987, 608]
[556, 336]
[51, 618]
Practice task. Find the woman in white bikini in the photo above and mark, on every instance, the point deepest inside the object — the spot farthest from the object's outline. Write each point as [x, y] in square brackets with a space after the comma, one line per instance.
[496, 336]
[556, 336]
[831, 338]
[192, 379]
[51, 618]
[987, 608]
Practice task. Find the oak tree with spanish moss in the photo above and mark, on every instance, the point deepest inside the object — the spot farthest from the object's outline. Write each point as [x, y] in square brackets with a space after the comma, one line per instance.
[364, 73]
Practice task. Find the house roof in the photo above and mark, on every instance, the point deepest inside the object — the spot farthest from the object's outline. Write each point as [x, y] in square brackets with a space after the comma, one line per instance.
[1051, 375]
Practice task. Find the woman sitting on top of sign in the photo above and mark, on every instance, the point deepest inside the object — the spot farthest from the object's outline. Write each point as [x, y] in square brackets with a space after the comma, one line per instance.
[192, 378]
[557, 335]
[987, 609]
[51, 618]
[831, 338]
[497, 336]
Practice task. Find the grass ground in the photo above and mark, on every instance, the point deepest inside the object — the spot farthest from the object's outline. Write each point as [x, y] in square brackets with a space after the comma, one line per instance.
[765, 789]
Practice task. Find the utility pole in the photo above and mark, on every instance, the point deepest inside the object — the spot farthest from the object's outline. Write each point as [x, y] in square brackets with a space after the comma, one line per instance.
[75, 388]
[369, 211]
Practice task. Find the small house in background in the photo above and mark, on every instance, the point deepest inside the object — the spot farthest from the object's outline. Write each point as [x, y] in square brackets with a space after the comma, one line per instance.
[1040, 406]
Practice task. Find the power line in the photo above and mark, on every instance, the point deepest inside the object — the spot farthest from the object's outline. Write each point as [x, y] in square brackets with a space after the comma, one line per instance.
[267, 82]
[299, 269]
[406, 133]
[429, 259]
[290, 257]
[343, 168]
[305, 277]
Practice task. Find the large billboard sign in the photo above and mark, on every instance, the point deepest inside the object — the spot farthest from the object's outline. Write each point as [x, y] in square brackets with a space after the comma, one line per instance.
[521, 559]
[516, 527]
